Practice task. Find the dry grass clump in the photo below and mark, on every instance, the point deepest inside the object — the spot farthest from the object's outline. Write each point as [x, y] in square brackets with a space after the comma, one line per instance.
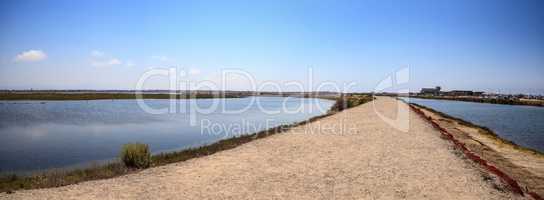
[136, 155]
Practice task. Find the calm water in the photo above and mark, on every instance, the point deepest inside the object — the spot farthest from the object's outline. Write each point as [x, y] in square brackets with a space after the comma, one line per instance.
[37, 135]
[523, 125]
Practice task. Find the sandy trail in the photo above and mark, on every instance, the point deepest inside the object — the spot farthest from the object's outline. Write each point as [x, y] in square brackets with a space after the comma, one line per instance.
[364, 159]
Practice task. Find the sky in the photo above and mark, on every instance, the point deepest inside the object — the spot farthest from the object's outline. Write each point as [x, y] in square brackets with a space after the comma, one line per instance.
[489, 45]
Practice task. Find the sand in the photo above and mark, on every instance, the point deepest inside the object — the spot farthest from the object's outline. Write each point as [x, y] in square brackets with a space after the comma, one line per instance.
[364, 159]
[524, 166]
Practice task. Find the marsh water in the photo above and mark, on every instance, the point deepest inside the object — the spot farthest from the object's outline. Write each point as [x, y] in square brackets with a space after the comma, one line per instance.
[38, 135]
[523, 125]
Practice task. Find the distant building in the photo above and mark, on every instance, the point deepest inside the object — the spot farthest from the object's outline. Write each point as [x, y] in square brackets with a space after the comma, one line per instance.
[430, 91]
[436, 92]
[462, 93]
[459, 93]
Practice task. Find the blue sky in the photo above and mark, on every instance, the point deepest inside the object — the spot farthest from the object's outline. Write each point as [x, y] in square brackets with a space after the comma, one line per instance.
[491, 45]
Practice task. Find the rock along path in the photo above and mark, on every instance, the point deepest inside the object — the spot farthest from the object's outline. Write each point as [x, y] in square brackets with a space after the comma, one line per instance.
[366, 159]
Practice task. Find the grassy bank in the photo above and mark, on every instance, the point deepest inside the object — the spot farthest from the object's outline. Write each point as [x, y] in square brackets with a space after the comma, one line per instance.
[485, 100]
[100, 96]
[350, 101]
[10, 183]
[517, 166]
[481, 129]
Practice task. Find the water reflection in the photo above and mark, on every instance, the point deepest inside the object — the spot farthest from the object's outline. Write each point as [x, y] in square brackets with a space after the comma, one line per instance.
[53, 134]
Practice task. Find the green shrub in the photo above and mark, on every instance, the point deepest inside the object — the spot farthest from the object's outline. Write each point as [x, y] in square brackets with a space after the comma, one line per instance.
[346, 102]
[136, 155]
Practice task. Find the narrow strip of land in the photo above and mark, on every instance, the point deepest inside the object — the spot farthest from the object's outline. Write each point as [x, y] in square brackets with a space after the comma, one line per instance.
[526, 166]
[477, 99]
[58, 96]
[350, 155]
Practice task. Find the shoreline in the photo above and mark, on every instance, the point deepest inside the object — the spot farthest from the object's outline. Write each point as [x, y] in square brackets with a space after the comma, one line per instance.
[513, 163]
[484, 130]
[488, 101]
[372, 160]
[58, 177]
[40, 96]
[93, 95]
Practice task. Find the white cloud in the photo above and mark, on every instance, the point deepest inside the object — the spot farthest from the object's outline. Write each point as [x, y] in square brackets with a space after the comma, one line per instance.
[99, 59]
[161, 58]
[30, 56]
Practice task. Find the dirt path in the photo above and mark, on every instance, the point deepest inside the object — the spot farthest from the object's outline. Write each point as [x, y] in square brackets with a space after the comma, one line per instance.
[367, 160]
[524, 166]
